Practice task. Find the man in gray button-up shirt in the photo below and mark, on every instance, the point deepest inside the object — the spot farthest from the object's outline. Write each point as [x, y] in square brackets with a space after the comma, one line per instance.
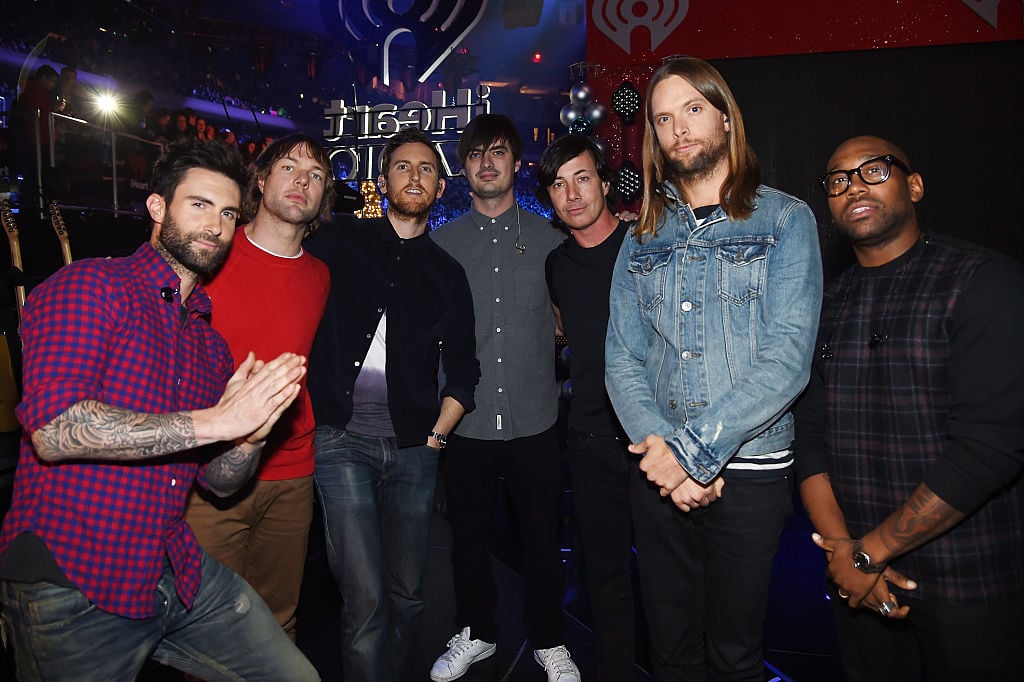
[512, 434]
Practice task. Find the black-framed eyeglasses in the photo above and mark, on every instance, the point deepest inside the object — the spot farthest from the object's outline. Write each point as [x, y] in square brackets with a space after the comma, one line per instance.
[872, 172]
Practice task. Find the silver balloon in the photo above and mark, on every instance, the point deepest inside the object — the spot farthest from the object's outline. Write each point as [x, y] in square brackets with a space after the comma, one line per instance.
[569, 114]
[596, 113]
[581, 95]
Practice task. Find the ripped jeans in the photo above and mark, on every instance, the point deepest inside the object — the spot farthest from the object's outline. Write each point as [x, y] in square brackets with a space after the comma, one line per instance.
[229, 634]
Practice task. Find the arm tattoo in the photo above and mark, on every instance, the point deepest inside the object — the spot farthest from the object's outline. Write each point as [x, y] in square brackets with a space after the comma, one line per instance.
[923, 517]
[227, 472]
[93, 430]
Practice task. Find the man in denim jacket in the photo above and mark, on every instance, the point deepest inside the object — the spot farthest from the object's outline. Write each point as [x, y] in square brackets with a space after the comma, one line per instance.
[714, 306]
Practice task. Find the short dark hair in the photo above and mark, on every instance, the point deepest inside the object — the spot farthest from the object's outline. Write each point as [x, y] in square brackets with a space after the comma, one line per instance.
[274, 152]
[565, 149]
[406, 136]
[486, 129]
[183, 156]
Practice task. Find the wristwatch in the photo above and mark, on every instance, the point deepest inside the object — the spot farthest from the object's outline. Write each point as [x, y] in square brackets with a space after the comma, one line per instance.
[440, 438]
[862, 560]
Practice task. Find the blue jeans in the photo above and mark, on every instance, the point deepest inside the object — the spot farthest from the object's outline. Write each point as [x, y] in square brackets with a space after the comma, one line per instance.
[229, 634]
[376, 499]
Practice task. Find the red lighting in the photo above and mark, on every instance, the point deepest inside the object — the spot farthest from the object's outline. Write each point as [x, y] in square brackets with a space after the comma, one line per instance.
[537, 57]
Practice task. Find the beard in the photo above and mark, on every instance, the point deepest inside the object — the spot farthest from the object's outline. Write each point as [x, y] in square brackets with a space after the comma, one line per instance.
[174, 243]
[884, 228]
[702, 165]
[289, 213]
[411, 207]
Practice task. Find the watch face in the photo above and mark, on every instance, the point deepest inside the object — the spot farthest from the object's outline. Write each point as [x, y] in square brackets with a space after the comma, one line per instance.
[861, 560]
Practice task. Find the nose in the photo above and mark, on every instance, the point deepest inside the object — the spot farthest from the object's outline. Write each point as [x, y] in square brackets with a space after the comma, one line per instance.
[572, 192]
[302, 179]
[679, 127]
[488, 160]
[857, 185]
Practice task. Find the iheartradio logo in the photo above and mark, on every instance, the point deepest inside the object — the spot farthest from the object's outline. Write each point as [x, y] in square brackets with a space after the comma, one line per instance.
[617, 19]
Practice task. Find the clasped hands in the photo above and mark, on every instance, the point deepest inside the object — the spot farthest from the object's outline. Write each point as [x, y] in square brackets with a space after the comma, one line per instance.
[257, 395]
[862, 590]
[663, 470]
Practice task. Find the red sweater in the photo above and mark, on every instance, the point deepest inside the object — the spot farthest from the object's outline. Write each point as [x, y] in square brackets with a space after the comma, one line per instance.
[270, 305]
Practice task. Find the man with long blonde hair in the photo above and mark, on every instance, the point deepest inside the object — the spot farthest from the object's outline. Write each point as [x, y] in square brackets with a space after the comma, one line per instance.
[713, 310]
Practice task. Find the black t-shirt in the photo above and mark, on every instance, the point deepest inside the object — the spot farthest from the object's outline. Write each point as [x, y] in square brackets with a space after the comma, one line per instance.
[579, 280]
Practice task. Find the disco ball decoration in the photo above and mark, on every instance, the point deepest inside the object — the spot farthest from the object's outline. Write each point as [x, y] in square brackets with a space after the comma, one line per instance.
[601, 144]
[629, 185]
[581, 126]
[626, 102]
[581, 95]
[596, 113]
[569, 114]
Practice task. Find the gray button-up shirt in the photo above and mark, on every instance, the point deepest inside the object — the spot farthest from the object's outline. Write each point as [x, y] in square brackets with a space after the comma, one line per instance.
[515, 328]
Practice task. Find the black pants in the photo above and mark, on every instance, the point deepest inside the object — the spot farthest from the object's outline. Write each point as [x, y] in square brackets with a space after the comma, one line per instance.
[601, 468]
[936, 642]
[704, 576]
[530, 467]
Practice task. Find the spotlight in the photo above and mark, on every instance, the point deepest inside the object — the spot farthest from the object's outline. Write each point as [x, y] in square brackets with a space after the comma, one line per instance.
[106, 103]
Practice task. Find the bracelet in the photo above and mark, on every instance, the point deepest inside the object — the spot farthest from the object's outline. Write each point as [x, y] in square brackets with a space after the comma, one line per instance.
[440, 438]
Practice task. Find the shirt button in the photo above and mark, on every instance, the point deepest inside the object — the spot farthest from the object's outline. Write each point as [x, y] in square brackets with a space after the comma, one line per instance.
[671, 404]
[497, 300]
[499, 359]
[506, 228]
[493, 220]
[686, 306]
[355, 364]
[498, 329]
[380, 310]
[398, 258]
[494, 241]
[369, 336]
[495, 269]
[500, 390]
[174, 482]
[686, 355]
[401, 241]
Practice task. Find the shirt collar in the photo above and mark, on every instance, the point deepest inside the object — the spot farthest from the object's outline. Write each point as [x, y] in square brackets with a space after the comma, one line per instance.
[155, 269]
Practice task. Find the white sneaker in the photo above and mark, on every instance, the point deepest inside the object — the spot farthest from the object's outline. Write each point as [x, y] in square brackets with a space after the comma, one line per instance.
[462, 653]
[557, 664]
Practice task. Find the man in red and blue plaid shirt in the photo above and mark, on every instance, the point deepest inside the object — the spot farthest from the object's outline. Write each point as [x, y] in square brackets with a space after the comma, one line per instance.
[128, 399]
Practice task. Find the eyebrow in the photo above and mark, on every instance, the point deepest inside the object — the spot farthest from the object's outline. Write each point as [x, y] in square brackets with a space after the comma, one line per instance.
[209, 202]
[410, 162]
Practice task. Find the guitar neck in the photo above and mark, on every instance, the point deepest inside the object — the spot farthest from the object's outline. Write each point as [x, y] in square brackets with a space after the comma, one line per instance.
[57, 220]
[11, 228]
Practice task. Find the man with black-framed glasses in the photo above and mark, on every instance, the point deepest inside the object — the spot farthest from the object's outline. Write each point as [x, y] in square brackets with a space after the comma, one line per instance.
[910, 441]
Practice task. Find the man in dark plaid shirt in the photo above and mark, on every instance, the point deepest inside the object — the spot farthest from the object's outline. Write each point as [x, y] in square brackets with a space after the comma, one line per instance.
[128, 399]
[910, 438]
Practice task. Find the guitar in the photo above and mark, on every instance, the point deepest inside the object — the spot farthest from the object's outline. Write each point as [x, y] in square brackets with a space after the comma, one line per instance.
[57, 220]
[8, 382]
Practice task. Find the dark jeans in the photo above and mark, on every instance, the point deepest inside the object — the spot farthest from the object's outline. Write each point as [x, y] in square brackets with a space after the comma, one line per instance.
[704, 576]
[936, 642]
[377, 499]
[601, 468]
[530, 467]
[229, 633]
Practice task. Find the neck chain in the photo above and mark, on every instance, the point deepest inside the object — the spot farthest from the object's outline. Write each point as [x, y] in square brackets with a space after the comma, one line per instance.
[881, 335]
[266, 250]
[520, 248]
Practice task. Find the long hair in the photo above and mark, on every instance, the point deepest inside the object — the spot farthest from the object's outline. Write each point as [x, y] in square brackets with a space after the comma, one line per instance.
[739, 189]
[277, 150]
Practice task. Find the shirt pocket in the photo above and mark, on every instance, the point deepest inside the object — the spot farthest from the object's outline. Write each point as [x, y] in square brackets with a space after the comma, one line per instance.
[741, 270]
[650, 273]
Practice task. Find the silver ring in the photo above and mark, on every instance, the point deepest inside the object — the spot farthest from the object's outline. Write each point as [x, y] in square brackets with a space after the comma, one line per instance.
[887, 607]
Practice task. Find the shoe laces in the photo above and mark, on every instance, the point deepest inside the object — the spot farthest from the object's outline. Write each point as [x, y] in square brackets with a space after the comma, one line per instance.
[457, 646]
[557, 660]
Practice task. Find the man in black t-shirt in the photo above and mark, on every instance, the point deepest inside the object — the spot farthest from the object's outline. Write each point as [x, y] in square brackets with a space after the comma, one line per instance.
[576, 180]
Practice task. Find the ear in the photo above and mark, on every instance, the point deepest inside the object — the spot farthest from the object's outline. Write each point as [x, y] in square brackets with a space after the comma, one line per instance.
[518, 164]
[382, 184]
[261, 182]
[605, 186]
[725, 122]
[441, 184]
[916, 184]
[155, 205]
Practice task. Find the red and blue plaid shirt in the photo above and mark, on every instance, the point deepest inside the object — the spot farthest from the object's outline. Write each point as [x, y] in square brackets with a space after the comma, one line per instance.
[100, 330]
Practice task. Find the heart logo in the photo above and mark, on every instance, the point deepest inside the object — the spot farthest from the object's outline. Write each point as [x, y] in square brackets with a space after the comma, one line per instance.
[439, 26]
[618, 18]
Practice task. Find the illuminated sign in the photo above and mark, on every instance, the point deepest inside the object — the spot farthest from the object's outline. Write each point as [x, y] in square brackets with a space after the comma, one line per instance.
[355, 135]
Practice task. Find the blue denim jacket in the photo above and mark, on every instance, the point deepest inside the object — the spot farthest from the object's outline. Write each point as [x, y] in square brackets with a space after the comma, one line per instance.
[712, 330]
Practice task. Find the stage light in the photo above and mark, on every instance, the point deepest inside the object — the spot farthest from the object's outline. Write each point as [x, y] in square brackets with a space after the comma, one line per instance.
[106, 103]
[537, 57]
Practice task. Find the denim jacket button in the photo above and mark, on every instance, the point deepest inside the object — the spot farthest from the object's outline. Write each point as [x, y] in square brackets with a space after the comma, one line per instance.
[671, 404]
[686, 306]
[685, 355]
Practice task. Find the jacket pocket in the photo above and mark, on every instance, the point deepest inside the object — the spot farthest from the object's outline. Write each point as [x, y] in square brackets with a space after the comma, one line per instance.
[741, 271]
[650, 273]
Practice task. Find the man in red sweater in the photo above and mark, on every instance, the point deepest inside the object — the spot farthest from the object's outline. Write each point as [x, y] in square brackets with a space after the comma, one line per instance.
[269, 297]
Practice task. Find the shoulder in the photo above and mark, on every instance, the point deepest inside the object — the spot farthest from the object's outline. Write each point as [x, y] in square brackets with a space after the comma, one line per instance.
[451, 228]
[978, 264]
[542, 227]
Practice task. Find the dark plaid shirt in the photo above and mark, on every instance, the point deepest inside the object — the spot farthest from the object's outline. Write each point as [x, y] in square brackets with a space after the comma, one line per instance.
[938, 399]
[100, 330]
